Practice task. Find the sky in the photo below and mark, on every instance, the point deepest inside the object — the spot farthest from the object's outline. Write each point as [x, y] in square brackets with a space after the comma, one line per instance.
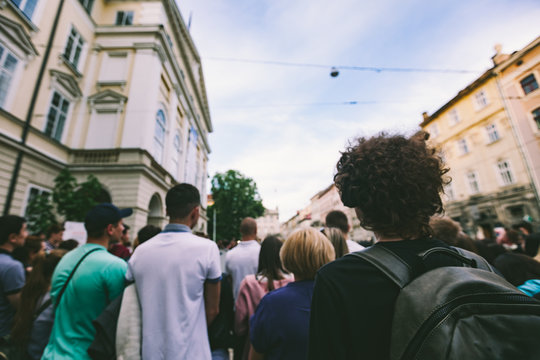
[284, 126]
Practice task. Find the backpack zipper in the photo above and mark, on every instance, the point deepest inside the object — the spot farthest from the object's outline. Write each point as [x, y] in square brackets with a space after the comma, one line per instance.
[444, 311]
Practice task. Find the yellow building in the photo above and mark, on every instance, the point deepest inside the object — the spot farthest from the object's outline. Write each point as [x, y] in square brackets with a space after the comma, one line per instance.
[110, 88]
[518, 75]
[477, 134]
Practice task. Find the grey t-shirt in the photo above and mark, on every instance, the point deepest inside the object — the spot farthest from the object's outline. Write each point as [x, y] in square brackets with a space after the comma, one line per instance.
[12, 280]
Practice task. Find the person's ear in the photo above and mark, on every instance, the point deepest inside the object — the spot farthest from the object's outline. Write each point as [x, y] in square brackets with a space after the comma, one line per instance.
[12, 237]
[109, 229]
[195, 213]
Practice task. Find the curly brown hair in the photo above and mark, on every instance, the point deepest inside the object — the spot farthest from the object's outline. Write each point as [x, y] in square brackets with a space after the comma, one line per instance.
[394, 182]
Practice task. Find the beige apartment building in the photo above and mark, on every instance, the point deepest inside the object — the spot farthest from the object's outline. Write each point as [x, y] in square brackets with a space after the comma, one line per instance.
[268, 224]
[111, 88]
[319, 206]
[488, 135]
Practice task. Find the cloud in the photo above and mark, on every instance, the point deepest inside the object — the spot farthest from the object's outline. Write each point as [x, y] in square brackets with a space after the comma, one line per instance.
[264, 125]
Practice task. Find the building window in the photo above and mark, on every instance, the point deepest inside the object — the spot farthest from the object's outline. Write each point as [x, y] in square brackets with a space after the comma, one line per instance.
[159, 136]
[462, 146]
[87, 4]
[56, 118]
[124, 18]
[176, 154]
[535, 113]
[505, 172]
[472, 180]
[26, 6]
[169, 40]
[480, 99]
[449, 192]
[442, 155]
[74, 46]
[517, 212]
[8, 63]
[493, 134]
[529, 84]
[33, 193]
[453, 116]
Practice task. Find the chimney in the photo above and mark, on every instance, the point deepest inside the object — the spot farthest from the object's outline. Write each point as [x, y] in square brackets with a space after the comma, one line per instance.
[425, 116]
[499, 57]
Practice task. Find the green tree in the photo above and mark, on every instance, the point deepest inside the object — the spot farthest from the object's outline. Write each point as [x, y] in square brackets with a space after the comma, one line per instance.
[74, 200]
[64, 189]
[39, 213]
[235, 197]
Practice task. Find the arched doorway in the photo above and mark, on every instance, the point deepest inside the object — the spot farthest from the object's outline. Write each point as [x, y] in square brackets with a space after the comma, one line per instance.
[155, 211]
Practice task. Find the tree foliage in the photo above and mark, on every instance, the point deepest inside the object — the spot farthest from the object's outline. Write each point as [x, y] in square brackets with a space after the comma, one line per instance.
[63, 192]
[235, 197]
[74, 200]
[70, 200]
[40, 214]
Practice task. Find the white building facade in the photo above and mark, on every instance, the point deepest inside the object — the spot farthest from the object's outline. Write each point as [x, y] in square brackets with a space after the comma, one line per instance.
[121, 95]
[268, 224]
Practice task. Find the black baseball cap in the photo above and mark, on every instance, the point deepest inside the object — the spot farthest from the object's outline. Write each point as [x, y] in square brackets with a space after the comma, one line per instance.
[104, 214]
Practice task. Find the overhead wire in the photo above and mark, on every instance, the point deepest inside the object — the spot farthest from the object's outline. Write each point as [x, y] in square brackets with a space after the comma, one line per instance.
[377, 69]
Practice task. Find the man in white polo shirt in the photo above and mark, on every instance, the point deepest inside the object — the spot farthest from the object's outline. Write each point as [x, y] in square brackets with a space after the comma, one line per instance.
[177, 275]
[243, 259]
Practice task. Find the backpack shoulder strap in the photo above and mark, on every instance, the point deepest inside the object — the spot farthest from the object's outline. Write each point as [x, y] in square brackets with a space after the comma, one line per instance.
[389, 263]
[71, 275]
[481, 263]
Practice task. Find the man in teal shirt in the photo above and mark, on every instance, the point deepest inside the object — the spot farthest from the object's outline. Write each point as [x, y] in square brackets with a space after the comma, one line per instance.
[98, 280]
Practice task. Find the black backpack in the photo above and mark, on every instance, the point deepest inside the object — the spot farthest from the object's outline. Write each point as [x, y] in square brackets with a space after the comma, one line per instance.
[457, 313]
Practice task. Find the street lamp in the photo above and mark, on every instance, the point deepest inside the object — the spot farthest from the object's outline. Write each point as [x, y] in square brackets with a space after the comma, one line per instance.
[211, 202]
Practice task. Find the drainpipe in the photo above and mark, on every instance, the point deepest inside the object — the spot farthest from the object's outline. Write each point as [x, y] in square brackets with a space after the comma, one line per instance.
[26, 128]
[517, 136]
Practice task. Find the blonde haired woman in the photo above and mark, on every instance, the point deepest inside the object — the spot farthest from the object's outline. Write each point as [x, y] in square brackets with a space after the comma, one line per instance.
[279, 328]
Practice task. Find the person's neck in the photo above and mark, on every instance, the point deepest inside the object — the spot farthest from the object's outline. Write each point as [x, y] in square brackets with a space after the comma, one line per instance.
[7, 247]
[297, 278]
[103, 241]
[392, 237]
[248, 238]
[388, 238]
[181, 222]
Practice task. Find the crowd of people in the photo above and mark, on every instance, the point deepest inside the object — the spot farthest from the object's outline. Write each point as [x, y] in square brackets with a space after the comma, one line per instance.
[172, 295]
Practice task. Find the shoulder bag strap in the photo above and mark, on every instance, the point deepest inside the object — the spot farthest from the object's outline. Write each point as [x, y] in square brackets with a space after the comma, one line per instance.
[42, 308]
[71, 275]
[389, 263]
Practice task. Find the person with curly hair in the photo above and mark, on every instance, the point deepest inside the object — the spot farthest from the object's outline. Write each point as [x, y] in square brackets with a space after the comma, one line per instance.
[394, 184]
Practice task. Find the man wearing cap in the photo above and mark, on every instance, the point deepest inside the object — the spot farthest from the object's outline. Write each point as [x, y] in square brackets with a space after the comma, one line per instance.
[177, 275]
[98, 279]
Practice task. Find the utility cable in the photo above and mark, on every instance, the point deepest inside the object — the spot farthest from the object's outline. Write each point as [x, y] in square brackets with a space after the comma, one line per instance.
[377, 69]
